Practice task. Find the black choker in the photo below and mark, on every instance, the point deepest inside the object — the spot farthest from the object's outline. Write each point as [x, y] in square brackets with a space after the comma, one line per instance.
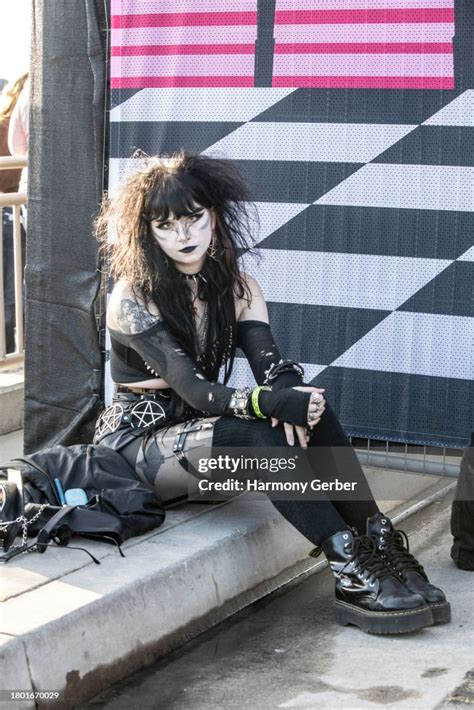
[192, 277]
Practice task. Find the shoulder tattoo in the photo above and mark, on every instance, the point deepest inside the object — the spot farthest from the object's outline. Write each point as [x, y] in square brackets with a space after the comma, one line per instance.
[133, 318]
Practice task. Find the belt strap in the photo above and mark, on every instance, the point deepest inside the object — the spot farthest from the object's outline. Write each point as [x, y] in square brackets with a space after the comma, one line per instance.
[42, 540]
[148, 391]
[179, 443]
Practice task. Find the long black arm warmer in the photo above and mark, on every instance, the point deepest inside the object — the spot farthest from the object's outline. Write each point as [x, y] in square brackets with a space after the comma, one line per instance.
[162, 352]
[256, 341]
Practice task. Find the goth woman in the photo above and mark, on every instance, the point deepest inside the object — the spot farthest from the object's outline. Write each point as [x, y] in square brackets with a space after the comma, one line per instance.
[179, 309]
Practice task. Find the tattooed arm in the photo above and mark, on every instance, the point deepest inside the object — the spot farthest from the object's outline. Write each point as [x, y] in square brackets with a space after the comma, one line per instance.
[128, 313]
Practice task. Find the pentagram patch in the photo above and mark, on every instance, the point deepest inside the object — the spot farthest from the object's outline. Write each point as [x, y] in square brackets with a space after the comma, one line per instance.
[110, 420]
[146, 413]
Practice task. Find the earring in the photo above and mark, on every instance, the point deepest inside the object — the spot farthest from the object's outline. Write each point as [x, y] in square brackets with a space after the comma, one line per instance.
[212, 249]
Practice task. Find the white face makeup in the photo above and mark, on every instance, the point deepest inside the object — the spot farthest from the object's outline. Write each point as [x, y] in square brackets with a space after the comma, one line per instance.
[187, 239]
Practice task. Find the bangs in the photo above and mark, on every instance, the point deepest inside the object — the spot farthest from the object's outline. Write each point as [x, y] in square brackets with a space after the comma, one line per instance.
[177, 195]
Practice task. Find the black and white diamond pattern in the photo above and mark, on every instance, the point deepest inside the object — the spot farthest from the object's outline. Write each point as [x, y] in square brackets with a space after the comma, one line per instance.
[366, 205]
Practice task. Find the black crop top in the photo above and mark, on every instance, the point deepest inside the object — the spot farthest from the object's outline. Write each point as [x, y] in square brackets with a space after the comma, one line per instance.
[157, 350]
[126, 365]
[162, 353]
[253, 337]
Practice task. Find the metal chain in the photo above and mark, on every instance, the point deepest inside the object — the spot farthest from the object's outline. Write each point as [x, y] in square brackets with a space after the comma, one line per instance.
[201, 330]
[25, 524]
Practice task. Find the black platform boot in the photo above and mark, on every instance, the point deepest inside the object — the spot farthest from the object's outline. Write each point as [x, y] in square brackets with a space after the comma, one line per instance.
[392, 546]
[368, 594]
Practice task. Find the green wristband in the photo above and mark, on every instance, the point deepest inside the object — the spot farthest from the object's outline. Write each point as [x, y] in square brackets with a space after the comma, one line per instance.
[254, 399]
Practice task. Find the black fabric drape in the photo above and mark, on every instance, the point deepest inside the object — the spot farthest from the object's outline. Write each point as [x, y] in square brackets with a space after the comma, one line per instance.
[463, 44]
[63, 369]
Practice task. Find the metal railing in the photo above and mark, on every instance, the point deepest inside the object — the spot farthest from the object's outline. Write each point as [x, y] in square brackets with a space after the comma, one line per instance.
[15, 200]
[412, 458]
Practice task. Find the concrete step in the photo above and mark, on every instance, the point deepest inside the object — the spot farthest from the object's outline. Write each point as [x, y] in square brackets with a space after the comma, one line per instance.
[11, 445]
[12, 396]
[74, 627]
[287, 652]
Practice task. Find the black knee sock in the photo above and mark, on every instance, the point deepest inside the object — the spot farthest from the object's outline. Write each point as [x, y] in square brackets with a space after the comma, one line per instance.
[338, 459]
[315, 519]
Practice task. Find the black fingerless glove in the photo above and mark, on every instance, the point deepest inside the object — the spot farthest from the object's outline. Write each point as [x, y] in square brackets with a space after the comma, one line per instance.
[287, 405]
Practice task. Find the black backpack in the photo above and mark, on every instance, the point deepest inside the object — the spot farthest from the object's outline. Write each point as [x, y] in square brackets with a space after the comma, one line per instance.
[118, 507]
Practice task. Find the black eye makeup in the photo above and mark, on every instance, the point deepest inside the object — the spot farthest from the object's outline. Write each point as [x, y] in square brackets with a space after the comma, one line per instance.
[196, 216]
[192, 217]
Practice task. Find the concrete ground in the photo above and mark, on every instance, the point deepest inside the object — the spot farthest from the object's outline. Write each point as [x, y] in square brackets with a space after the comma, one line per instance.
[286, 651]
[71, 626]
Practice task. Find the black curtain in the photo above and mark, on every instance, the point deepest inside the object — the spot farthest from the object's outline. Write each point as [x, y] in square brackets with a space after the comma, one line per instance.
[463, 43]
[63, 361]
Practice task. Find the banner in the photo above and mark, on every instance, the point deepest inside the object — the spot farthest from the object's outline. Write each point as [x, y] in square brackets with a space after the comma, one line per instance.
[345, 117]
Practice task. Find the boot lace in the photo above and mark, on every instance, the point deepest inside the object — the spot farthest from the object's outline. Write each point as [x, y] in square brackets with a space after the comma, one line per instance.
[395, 545]
[366, 560]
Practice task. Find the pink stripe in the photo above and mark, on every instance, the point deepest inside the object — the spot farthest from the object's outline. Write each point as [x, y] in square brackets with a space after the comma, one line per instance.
[293, 48]
[158, 82]
[397, 32]
[181, 65]
[363, 64]
[322, 17]
[435, 32]
[358, 4]
[323, 82]
[132, 7]
[364, 82]
[160, 49]
[286, 65]
[364, 48]
[184, 19]
[187, 35]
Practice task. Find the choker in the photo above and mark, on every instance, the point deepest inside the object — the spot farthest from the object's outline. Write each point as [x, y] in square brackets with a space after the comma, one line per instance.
[192, 277]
